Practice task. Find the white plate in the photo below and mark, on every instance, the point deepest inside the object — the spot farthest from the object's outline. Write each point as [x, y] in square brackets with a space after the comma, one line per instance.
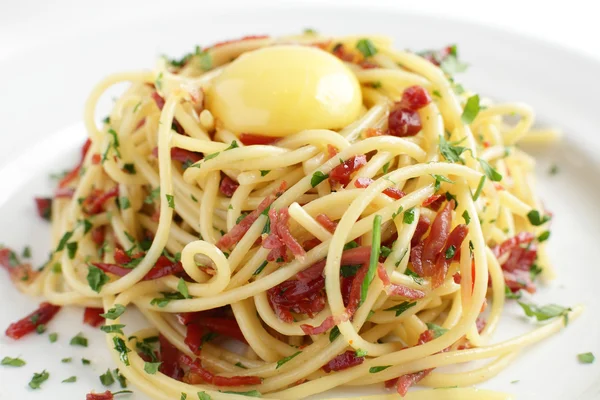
[43, 100]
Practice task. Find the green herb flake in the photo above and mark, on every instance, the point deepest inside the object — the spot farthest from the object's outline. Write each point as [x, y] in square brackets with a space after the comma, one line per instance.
[374, 259]
[107, 379]
[12, 362]
[553, 170]
[360, 353]
[183, 289]
[151, 367]
[317, 178]
[437, 93]
[374, 370]
[72, 249]
[546, 312]
[479, 188]
[264, 172]
[400, 308]
[509, 294]
[203, 396]
[115, 328]
[386, 167]
[450, 252]
[436, 329]
[66, 360]
[26, 252]
[84, 361]
[366, 47]
[471, 109]
[38, 378]
[260, 268]
[122, 348]
[124, 203]
[170, 200]
[114, 312]
[544, 236]
[536, 219]
[286, 359]
[158, 81]
[251, 393]
[154, 194]
[53, 337]
[586, 358]
[70, 379]
[79, 340]
[41, 328]
[409, 216]
[334, 333]
[63, 241]
[96, 278]
[490, 172]
[350, 245]
[451, 151]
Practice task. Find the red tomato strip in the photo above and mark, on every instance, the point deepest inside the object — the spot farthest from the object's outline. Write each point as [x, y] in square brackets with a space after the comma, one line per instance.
[249, 139]
[100, 396]
[91, 316]
[41, 316]
[392, 192]
[169, 357]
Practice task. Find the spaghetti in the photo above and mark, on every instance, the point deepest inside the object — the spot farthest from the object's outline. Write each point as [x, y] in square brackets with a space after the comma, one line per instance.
[341, 255]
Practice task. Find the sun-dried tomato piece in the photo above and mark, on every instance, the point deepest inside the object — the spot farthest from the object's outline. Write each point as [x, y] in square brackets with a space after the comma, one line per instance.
[24, 326]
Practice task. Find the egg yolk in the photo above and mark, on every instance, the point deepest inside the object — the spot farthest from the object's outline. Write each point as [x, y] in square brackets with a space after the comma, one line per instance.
[280, 90]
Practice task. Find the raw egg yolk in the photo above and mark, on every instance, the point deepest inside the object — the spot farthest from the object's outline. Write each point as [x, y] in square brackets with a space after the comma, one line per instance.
[280, 90]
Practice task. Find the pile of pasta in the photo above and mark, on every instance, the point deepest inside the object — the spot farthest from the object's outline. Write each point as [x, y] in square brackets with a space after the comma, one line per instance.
[285, 267]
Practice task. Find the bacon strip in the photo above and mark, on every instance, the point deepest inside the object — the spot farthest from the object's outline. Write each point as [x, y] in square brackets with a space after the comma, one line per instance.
[18, 272]
[345, 360]
[357, 255]
[24, 326]
[228, 186]
[193, 338]
[163, 267]
[94, 203]
[249, 139]
[199, 374]
[169, 357]
[91, 316]
[342, 173]
[457, 236]
[398, 290]
[326, 222]
[392, 192]
[238, 231]
[434, 243]
[422, 227]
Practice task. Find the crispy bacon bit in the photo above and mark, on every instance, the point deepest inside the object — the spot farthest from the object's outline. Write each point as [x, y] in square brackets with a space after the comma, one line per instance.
[457, 236]
[404, 122]
[160, 102]
[74, 173]
[340, 52]
[242, 39]
[517, 265]
[182, 155]
[193, 338]
[199, 374]
[392, 192]
[311, 244]
[357, 255]
[345, 360]
[326, 222]
[434, 243]
[18, 272]
[372, 132]
[431, 199]
[368, 65]
[420, 230]
[169, 357]
[41, 316]
[228, 186]
[91, 316]
[341, 173]
[296, 296]
[331, 150]
[238, 231]
[513, 243]
[100, 396]
[280, 230]
[44, 207]
[250, 139]
[223, 326]
[457, 278]
[414, 98]
[397, 290]
[98, 235]
[94, 203]
[416, 258]
[162, 267]
[351, 307]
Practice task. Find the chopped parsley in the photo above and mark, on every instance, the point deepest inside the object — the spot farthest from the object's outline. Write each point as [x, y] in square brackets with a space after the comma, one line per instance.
[70, 379]
[544, 236]
[129, 168]
[439, 179]
[553, 169]
[203, 396]
[124, 203]
[360, 353]
[373, 261]
[471, 109]
[72, 249]
[166, 299]
[107, 379]
[409, 216]
[41, 328]
[536, 219]
[436, 329]
[79, 340]
[335, 332]
[398, 212]
[114, 312]
[386, 167]
[63, 241]
[251, 393]
[466, 217]
[84, 361]
[12, 362]
[546, 312]
[53, 337]
[450, 252]
[510, 295]
[158, 81]
[38, 378]
[115, 328]
[151, 367]
[586, 358]
[260, 268]
[286, 359]
[374, 370]
[26, 252]
[479, 188]
[170, 200]
[490, 172]
[350, 245]
[317, 178]
[400, 308]
[154, 193]
[183, 289]
[66, 360]
[96, 278]
[366, 47]
[264, 172]
[450, 150]
[122, 348]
